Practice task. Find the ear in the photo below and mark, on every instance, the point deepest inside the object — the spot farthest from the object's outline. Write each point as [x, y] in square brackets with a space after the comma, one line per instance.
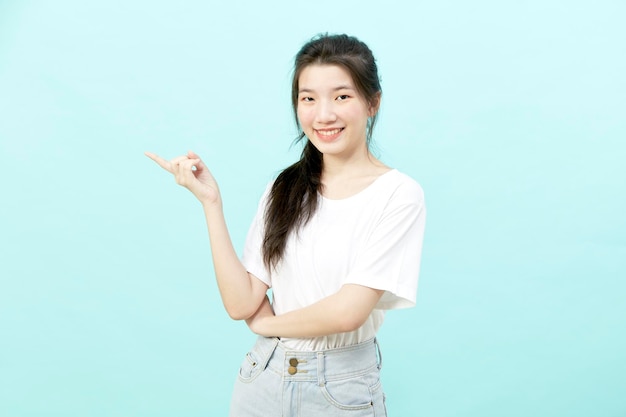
[375, 105]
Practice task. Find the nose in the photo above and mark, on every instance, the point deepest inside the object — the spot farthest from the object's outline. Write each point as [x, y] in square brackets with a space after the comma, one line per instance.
[325, 112]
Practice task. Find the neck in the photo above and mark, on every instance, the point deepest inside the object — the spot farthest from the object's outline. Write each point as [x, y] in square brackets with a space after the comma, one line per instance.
[356, 165]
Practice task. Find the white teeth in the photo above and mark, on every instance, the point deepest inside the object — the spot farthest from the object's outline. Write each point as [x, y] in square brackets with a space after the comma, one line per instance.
[329, 132]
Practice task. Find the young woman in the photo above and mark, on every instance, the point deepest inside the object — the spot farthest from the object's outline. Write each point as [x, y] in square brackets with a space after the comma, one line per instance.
[338, 238]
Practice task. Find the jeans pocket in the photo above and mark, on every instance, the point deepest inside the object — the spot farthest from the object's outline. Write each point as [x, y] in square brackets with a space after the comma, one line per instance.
[250, 367]
[351, 394]
[378, 400]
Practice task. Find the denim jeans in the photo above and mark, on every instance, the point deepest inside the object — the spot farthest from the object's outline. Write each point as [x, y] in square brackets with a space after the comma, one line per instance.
[275, 381]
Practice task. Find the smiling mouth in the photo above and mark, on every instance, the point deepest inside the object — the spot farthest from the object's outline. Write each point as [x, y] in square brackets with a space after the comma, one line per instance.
[329, 133]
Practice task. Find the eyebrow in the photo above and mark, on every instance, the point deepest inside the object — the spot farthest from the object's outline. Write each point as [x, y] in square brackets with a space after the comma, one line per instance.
[339, 87]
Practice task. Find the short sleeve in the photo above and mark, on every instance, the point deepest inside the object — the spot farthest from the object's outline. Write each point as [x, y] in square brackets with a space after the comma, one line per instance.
[252, 258]
[390, 258]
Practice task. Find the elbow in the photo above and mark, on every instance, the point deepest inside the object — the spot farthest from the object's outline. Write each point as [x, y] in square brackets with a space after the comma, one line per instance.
[350, 321]
[238, 313]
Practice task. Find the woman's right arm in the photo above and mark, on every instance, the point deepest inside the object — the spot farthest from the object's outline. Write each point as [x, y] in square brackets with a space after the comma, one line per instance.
[241, 292]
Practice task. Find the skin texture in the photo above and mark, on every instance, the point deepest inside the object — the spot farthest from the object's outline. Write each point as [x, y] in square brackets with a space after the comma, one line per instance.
[328, 101]
[334, 116]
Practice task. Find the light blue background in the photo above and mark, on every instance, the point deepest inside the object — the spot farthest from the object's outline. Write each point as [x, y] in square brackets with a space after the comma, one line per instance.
[510, 114]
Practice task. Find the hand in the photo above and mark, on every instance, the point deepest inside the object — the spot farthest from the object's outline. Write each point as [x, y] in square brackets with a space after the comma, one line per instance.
[199, 180]
[255, 322]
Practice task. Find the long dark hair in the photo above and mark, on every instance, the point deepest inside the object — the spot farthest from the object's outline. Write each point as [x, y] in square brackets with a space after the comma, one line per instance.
[293, 198]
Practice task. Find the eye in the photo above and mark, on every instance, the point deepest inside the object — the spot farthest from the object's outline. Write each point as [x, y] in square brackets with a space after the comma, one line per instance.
[306, 99]
[343, 97]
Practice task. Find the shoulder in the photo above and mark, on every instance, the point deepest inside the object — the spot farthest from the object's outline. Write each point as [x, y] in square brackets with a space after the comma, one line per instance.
[402, 188]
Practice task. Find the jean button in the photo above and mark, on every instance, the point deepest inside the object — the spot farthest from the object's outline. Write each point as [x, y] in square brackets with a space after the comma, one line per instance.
[292, 370]
[293, 362]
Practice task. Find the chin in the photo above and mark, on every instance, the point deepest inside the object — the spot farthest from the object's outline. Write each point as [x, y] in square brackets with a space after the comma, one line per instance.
[326, 147]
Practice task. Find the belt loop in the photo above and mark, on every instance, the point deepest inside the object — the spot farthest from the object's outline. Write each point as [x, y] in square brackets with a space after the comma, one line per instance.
[380, 355]
[321, 378]
[267, 355]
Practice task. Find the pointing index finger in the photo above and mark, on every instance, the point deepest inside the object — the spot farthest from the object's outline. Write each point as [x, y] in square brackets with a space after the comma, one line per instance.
[162, 162]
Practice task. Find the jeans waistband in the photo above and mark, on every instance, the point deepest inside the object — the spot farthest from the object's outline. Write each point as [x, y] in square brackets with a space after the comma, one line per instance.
[321, 366]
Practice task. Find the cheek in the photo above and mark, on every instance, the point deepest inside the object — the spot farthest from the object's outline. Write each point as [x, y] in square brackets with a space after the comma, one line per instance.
[305, 117]
[360, 114]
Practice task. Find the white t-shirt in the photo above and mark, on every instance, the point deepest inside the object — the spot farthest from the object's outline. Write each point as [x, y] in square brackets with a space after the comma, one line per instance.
[373, 238]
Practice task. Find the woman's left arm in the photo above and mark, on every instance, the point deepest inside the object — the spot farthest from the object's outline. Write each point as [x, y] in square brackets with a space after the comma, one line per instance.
[390, 260]
[344, 311]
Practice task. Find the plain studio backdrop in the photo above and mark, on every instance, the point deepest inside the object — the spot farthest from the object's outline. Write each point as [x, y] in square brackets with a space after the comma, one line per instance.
[510, 114]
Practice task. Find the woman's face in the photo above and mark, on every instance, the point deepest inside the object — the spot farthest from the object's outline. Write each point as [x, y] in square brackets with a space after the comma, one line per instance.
[331, 112]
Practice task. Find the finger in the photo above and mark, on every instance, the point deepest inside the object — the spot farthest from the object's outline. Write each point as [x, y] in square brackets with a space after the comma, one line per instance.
[196, 164]
[178, 160]
[192, 155]
[186, 163]
[200, 164]
[190, 165]
[162, 162]
[186, 173]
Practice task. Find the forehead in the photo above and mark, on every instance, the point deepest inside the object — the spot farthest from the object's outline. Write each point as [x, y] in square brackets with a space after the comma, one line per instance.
[317, 77]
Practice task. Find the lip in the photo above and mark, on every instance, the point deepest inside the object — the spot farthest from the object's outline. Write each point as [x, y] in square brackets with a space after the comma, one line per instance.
[328, 134]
